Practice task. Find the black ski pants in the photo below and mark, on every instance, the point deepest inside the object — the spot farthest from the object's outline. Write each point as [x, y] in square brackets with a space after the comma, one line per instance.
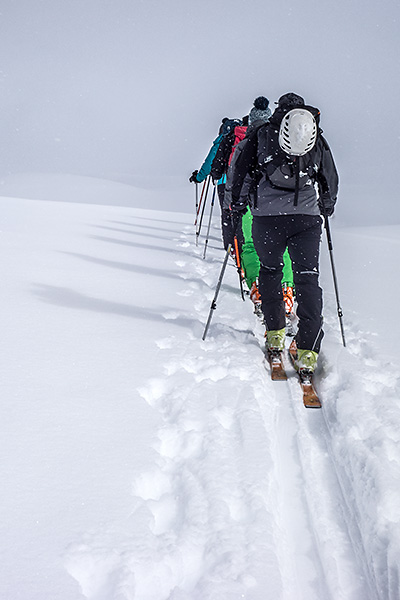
[226, 220]
[301, 234]
[227, 224]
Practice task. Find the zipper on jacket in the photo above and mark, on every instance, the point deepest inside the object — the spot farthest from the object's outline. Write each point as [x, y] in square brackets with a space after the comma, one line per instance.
[297, 180]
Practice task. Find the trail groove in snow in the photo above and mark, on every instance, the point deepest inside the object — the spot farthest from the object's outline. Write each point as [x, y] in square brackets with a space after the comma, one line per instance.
[251, 495]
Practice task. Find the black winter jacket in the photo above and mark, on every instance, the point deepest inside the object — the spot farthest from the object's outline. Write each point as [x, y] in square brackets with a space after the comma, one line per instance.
[220, 163]
[248, 187]
[285, 184]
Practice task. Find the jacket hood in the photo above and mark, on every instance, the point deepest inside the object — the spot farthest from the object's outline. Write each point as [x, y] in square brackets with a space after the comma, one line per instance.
[254, 125]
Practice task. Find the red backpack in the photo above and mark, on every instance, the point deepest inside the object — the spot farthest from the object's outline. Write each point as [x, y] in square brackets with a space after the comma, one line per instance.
[240, 132]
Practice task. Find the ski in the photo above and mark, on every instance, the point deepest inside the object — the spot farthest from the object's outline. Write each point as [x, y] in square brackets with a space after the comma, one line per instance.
[290, 331]
[258, 311]
[275, 360]
[310, 396]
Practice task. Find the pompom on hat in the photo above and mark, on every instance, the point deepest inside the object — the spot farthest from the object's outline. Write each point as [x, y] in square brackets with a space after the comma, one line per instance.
[260, 110]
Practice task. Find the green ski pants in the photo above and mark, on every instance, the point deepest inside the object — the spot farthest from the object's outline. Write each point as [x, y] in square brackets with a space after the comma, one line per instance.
[249, 257]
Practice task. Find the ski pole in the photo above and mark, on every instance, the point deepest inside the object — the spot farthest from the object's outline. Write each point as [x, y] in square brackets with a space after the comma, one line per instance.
[335, 283]
[214, 301]
[197, 197]
[221, 275]
[202, 212]
[239, 268]
[201, 200]
[198, 204]
[209, 222]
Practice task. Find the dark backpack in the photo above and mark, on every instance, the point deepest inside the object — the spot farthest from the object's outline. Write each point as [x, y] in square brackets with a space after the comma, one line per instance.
[229, 125]
[285, 171]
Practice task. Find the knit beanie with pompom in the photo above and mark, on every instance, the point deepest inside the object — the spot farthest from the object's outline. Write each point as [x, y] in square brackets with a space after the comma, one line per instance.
[260, 110]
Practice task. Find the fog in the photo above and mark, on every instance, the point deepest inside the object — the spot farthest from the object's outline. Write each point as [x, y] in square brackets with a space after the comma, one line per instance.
[134, 90]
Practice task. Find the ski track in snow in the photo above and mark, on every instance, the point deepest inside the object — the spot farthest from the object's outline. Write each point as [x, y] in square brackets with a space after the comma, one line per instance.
[252, 495]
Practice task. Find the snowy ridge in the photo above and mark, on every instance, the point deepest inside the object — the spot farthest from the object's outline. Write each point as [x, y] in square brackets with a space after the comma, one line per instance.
[366, 455]
[142, 463]
[251, 495]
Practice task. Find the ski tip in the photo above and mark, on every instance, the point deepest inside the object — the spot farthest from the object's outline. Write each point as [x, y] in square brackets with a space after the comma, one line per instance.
[311, 400]
[313, 405]
[310, 396]
[275, 361]
[278, 376]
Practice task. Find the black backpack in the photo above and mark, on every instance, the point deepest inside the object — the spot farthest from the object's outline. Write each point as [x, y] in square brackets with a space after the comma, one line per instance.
[229, 125]
[285, 171]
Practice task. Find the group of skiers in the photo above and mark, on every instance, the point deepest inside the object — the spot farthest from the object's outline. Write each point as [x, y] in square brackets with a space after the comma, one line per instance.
[275, 177]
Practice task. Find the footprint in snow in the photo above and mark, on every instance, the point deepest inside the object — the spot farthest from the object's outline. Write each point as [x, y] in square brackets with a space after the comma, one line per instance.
[166, 343]
[171, 315]
[179, 445]
[185, 293]
[155, 390]
[152, 485]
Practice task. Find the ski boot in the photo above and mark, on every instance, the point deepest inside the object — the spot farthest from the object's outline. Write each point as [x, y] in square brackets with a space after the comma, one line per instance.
[275, 344]
[256, 299]
[305, 361]
[288, 298]
[289, 314]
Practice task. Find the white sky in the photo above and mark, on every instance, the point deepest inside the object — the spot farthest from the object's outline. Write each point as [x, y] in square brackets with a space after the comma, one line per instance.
[131, 88]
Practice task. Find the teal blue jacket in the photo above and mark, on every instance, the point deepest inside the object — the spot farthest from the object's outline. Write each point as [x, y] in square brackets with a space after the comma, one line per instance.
[205, 168]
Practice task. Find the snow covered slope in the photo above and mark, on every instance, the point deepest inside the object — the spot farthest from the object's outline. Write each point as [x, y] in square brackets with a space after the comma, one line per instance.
[139, 462]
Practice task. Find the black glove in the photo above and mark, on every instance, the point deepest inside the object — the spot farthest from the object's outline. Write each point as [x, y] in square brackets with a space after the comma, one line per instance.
[193, 177]
[240, 208]
[237, 213]
[326, 205]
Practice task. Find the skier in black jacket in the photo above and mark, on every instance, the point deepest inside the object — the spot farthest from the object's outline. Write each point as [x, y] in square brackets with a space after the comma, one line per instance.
[223, 155]
[295, 182]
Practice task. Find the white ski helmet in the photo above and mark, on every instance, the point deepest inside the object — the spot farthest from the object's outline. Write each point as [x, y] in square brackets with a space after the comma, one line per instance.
[298, 132]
